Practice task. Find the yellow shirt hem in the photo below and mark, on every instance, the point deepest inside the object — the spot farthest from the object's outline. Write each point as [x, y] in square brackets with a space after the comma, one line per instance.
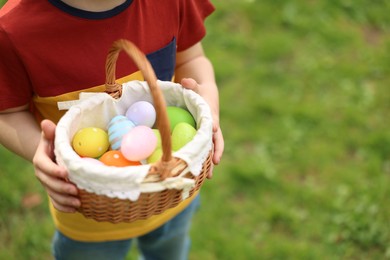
[77, 227]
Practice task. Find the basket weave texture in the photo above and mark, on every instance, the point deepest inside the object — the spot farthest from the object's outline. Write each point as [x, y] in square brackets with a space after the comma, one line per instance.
[127, 194]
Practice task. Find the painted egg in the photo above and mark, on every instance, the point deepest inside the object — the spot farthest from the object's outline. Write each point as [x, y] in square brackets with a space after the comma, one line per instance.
[182, 134]
[142, 113]
[90, 142]
[92, 161]
[139, 143]
[117, 128]
[116, 158]
[177, 115]
[158, 135]
[155, 156]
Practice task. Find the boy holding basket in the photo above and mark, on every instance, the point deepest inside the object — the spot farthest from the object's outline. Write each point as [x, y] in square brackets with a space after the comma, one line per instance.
[60, 53]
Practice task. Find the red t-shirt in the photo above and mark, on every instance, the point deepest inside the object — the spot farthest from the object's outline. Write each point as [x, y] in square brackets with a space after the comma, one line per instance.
[48, 48]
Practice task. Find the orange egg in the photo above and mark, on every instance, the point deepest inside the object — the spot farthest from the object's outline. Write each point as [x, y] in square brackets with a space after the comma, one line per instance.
[115, 158]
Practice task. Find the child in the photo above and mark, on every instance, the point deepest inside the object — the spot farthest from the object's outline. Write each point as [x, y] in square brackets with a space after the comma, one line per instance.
[53, 50]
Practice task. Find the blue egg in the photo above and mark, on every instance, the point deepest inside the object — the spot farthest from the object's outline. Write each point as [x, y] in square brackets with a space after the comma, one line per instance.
[117, 128]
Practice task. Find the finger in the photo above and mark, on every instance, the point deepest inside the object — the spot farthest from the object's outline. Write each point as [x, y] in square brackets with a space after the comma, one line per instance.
[189, 83]
[48, 129]
[44, 156]
[47, 140]
[57, 185]
[61, 194]
[63, 208]
[45, 165]
[218, 146]
[210, 173]
[62, 199]
[215, 124]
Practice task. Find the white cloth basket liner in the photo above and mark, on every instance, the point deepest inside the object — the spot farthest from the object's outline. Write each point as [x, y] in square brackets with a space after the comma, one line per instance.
[97, 109]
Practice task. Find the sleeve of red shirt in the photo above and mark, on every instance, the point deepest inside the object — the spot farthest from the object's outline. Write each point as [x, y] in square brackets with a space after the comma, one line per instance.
[14, 82]
[192, 16]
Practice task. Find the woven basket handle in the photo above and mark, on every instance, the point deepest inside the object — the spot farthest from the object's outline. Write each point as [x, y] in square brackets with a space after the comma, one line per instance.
[115, 90]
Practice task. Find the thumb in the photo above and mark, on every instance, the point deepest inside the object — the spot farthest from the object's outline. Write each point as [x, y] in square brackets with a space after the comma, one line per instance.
[48, 129]
[189, 83]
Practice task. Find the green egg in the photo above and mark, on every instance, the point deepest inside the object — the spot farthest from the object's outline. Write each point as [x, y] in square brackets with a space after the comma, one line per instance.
[155, 156]
[179, 115]
[158, 135]
[182, 134]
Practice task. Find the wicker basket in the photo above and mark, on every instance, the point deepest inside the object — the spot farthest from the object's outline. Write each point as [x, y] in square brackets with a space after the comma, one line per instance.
[127, 194]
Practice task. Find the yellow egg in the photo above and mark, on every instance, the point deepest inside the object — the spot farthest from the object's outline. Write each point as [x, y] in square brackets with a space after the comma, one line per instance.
[90, 142]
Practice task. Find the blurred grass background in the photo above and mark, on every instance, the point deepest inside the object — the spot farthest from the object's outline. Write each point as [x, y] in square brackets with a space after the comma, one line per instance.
[305, 102]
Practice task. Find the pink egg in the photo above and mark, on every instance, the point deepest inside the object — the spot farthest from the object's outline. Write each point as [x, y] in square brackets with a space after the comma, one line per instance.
[142, 113]
[139, 143]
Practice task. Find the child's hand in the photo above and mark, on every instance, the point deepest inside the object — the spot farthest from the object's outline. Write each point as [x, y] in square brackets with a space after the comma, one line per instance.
[53, 177]
[214, 106]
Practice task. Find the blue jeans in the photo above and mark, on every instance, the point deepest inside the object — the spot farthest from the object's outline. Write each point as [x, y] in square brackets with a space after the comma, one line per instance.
[171, 241]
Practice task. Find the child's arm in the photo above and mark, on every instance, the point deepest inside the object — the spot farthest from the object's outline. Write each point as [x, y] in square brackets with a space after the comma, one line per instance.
[20, 133]
[195, 71]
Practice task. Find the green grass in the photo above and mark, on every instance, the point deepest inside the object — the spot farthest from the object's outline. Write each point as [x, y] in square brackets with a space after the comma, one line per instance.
[305, 112]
